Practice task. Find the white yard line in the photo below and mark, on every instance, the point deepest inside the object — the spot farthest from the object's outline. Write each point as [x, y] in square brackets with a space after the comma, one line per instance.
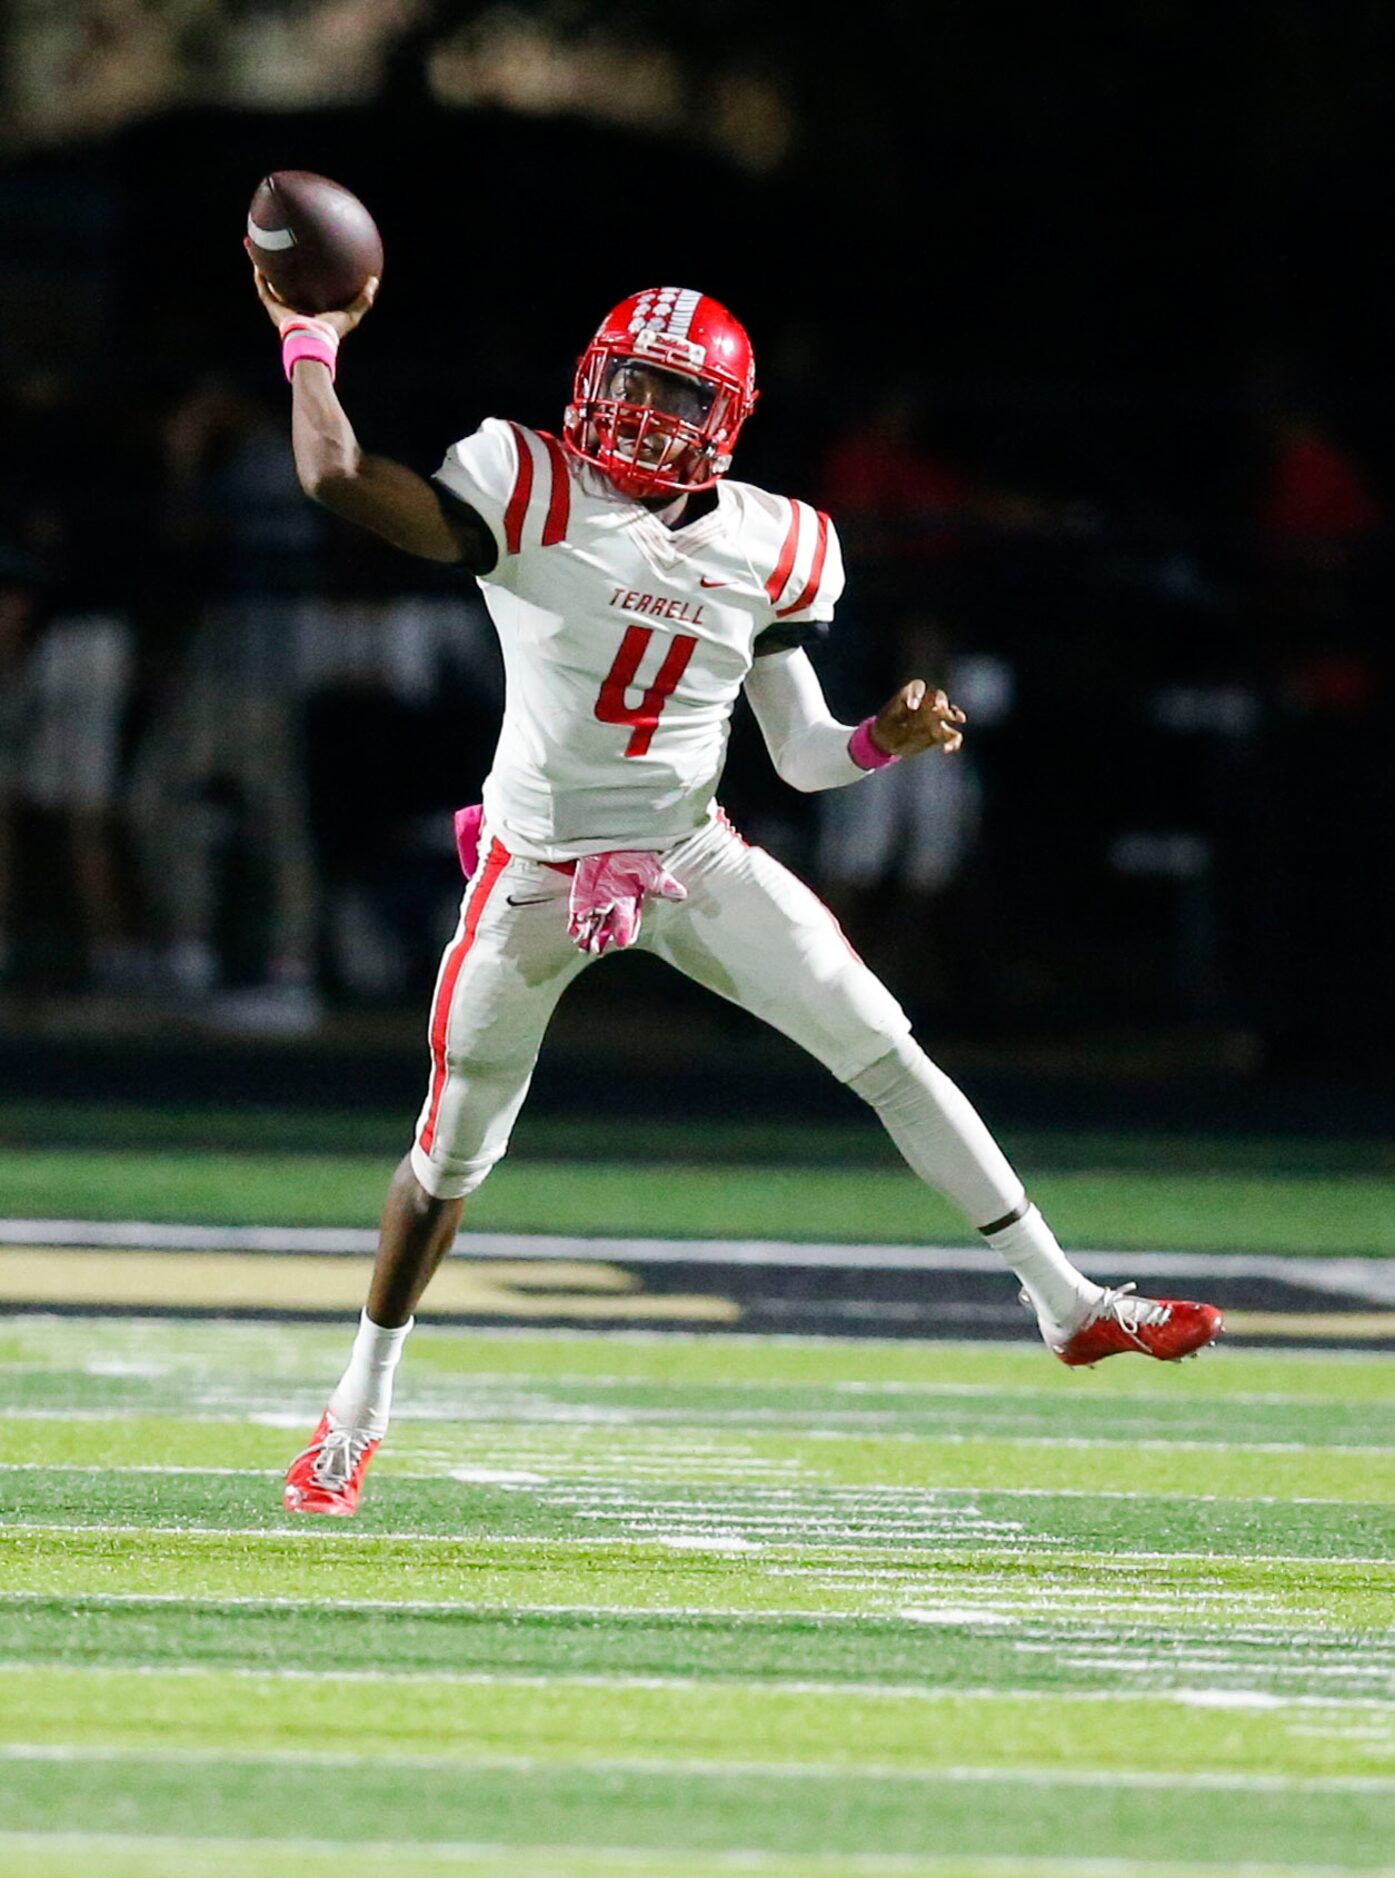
[1062, 1556]
[490, 1382]
[578, 1487]
[433, 1607]
[673, 1427]
[1191, 1697]
[1028, 1623]
[144, 1467]
[334, 1532]
[415, 1855]
[685, 1767]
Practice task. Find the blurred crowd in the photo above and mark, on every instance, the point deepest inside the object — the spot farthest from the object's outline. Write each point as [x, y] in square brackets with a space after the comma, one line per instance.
[216, 772]
[233, 736]
[1121, 480]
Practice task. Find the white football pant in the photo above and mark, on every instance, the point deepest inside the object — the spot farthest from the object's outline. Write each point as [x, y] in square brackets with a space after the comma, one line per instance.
[748, 930]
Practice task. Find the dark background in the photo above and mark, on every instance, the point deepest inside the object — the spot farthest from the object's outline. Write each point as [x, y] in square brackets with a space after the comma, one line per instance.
[1113, 257]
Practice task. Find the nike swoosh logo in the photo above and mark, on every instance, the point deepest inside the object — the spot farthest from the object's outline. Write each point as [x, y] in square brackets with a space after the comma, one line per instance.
[541, 899]
[703, 581]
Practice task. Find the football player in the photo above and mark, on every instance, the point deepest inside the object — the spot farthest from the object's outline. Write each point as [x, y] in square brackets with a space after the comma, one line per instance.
[636, 591]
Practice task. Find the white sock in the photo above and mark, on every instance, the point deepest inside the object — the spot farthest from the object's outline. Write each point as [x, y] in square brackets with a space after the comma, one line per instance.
[363, 1398]
[1061, 1296]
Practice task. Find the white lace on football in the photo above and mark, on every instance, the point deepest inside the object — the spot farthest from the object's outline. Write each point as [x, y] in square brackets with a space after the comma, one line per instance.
[1131, 1314]
[340, 1453]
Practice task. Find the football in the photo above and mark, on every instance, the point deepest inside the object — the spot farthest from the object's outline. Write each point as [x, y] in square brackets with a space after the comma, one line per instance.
[313, 239]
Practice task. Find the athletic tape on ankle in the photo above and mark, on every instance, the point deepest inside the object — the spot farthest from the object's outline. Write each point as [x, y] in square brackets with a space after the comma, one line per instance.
[865, 753]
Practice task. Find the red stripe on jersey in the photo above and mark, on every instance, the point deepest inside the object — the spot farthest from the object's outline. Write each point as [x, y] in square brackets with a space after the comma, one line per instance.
[774, 587]
[522, 491]
[440, 1015]
[811, 588]
[560, 507]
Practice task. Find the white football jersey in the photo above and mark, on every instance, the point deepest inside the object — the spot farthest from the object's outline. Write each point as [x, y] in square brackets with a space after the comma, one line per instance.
[625, 642]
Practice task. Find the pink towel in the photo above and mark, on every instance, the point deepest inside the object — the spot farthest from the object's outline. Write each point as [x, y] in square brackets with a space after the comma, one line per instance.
[607, 898]
[467, 836]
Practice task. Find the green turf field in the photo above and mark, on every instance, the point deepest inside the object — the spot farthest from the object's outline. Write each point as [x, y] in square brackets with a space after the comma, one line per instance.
[671, 1606]
[827, 1184]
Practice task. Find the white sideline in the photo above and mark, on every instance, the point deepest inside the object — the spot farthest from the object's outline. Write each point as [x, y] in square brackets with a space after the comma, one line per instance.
[1371, 1279]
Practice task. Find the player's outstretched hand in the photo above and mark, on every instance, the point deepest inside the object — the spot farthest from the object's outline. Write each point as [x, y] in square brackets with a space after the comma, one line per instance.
[343, 321]
[917, 719]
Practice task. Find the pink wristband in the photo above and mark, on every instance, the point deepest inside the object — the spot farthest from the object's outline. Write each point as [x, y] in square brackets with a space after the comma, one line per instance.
[864, 752]
[308, 339]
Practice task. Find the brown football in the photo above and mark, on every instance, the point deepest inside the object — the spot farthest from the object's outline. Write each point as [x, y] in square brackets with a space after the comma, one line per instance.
[313, 239]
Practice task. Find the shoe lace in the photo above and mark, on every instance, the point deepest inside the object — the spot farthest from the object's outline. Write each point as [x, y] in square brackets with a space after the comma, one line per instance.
[1130, 1313]
[338, 1459]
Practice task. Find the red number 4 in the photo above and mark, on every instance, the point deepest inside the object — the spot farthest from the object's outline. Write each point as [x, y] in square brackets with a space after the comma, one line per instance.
[642, 718]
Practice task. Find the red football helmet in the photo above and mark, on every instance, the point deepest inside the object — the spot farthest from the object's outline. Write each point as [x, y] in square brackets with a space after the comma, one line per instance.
[661, 393]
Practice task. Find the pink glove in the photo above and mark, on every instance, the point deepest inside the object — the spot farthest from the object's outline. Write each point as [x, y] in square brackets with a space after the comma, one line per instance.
[467, 837]
[607, 895]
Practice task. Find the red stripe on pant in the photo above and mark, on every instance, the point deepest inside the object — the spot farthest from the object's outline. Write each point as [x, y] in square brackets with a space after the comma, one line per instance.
[440, 1015]
[725, 821]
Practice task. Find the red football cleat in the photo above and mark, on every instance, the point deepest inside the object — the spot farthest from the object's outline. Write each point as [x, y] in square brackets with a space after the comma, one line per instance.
[328, 1475]
[1167, 1328]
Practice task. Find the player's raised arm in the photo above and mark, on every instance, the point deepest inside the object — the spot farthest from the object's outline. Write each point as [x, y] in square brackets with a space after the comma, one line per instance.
[375, 492]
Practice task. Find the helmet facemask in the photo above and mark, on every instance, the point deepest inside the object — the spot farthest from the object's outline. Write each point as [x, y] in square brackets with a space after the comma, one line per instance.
[652, 430]
[658, 412]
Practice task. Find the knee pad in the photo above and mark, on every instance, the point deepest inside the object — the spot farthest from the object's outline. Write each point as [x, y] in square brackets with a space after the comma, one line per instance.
[451, 1183]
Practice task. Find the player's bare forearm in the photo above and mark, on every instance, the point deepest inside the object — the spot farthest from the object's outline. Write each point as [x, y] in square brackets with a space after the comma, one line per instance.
[326, 449]
[373, 492]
